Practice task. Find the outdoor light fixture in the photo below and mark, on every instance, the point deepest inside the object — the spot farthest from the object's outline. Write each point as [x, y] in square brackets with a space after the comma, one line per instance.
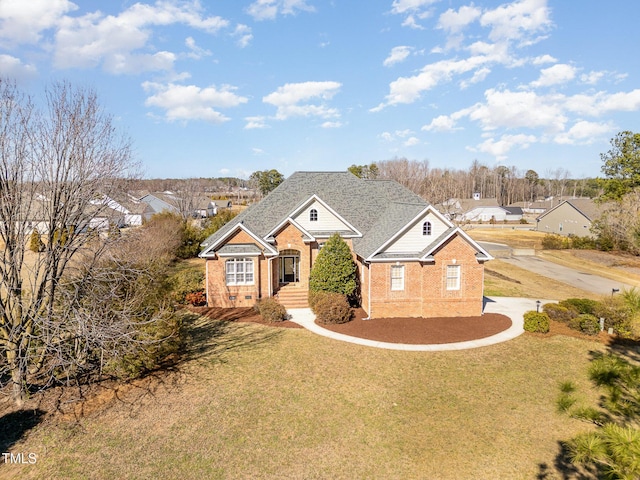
[614, 290]
[538, 302]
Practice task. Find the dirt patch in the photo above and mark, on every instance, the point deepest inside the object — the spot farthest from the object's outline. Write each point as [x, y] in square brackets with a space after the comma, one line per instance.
[423, 331]
[245, 314]
[620, 260]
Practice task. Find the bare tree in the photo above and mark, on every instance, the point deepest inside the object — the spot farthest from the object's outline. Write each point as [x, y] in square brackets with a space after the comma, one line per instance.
[54, 167]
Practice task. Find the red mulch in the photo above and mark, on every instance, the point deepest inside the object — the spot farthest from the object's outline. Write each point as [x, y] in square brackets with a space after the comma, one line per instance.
[423, 331]
[244, 314]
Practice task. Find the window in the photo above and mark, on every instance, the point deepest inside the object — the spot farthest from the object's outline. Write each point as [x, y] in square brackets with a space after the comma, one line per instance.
[453, 277]
[239, 271]
[397, 277]
[426, 228]
[313, 215]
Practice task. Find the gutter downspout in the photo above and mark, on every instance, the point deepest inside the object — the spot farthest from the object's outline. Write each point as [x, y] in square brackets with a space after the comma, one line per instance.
[369, 290]
[206, 280]
[269, 290]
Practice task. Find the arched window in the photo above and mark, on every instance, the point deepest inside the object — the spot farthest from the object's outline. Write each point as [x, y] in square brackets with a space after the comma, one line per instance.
[313, 215]
[426, 228]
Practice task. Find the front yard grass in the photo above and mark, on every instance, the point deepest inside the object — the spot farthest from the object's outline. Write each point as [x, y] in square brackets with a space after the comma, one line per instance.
[257, 402]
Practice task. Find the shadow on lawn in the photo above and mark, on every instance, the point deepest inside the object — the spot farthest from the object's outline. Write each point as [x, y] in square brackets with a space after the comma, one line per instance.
[14, 425]
[564, 469]
[212, 335]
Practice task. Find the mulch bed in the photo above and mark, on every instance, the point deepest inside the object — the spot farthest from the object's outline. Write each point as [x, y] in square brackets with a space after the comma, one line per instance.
[418, 331]
[423, 331]
[244, 314]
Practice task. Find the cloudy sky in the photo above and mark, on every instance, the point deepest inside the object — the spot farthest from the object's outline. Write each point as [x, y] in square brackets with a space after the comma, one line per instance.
[226, 87]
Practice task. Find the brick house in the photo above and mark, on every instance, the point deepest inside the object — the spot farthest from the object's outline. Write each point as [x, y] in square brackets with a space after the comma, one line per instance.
[411, 260]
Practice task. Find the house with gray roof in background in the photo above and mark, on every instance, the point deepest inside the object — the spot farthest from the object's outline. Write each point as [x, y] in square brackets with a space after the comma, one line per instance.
[571, 217]
[411, 260]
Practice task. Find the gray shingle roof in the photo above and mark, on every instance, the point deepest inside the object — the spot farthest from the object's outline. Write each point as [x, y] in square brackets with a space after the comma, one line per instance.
[378, 209]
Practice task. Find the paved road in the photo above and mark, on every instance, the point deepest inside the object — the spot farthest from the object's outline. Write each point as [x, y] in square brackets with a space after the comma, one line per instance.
[571, 276]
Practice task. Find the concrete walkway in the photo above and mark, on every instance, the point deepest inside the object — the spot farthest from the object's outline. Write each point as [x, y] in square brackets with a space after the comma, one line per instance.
[514, 308]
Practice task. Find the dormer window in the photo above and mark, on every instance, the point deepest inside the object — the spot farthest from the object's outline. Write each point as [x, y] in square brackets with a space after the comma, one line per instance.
[313, 215]
[426, 228]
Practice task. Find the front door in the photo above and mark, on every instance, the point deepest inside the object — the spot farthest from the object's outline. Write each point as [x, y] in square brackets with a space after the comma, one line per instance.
[288, 269]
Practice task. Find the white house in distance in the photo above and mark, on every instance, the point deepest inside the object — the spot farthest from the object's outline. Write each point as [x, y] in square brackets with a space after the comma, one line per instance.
[478, 209]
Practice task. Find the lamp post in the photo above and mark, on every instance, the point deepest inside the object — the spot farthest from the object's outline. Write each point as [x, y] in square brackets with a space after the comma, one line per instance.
[538, 302]
[614, 290]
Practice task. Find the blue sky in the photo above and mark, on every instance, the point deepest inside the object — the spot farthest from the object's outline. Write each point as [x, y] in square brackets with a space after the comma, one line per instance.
[227, 87]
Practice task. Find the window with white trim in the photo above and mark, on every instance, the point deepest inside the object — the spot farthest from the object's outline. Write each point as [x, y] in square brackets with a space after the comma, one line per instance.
[313, 215]
[397, 277]
[239, 271]
[453, 277]
[426, 228]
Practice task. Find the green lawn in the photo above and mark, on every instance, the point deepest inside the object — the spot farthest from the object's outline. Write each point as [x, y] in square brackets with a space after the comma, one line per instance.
[257, 402]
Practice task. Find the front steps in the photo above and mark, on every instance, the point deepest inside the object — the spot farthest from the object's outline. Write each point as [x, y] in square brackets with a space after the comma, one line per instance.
[293, 296]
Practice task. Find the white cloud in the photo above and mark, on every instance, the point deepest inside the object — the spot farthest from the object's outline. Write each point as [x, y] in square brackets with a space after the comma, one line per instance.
[257, 151]
[397, 55]
[189, 102]
[599, 103]
[386, 136]
[507, 109]
[557, 74]
[454, 21]
[542, 59]
[478, 76]
[244, 35]
[585, 133]
[12, 67]
[592, 78]
[331, 125]
[409, 89]
[94, 39]
[442, 123]
[500, 148]
[255, 122]
[196, 51]
[414, 10]
[292, 99]
[224, 171]
[23, 21]
[521, 20]
[270, 9]
[411, 141]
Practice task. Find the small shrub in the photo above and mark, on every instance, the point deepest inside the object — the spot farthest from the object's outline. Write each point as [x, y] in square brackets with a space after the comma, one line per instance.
[36, 244]
[536, 322]
[589, 324]
[524, 221]
[197, 299]
[559, 313]
[551, 241]
[271, 310]
[331, 308]
[617, 315]
[580, 305]
[582, 243]
[185, 282]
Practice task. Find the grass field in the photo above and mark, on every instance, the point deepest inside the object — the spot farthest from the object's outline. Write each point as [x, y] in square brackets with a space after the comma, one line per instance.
[257, 402]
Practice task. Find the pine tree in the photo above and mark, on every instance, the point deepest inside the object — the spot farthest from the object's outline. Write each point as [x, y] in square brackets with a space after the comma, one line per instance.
[334, 269]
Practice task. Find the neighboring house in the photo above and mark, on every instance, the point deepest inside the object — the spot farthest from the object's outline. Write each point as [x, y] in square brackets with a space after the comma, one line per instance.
[159, 202]
[209, 208]
[514, 214]
[411, 260]
[134, 212]
[571, 217]
[532, 208]
[475, 210]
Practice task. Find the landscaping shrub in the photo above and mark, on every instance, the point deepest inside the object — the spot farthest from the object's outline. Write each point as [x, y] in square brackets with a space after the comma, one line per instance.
[331, 308]
[580, 305]
[617, 314]
[559, 313]
[536, 322]
[582, 243]
[271, 310]
[589, 324]
[552, 241]
[197, 299]
[184, 283]
[334, 269]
